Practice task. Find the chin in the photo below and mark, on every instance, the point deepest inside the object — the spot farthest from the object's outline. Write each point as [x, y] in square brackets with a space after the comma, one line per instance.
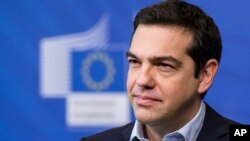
[144, 118]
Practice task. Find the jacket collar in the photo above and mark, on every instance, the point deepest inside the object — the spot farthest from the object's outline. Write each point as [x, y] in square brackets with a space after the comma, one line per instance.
[214, 126]
[126, 132]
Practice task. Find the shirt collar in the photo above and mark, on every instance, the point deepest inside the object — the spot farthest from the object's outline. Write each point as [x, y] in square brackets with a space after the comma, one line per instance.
[138, 132]
[190, 130]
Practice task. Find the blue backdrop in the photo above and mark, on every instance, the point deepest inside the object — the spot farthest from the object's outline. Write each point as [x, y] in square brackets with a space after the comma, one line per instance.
[25, 26]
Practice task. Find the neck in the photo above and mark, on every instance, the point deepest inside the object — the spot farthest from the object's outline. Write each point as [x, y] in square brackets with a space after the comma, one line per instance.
[156, 131]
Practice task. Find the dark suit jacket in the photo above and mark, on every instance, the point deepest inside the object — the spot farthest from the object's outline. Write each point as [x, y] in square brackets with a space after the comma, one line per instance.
[215, 128]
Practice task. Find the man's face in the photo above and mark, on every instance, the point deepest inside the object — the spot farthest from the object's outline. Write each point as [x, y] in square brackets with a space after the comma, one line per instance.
[161, 85]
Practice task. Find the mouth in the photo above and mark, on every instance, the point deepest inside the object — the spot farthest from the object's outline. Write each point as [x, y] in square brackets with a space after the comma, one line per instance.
[145, 100]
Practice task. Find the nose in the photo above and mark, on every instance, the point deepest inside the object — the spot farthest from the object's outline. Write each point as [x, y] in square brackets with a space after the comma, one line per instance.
[145, 77]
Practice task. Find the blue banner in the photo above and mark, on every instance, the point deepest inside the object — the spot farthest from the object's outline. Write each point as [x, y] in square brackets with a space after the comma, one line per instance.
[45, 43]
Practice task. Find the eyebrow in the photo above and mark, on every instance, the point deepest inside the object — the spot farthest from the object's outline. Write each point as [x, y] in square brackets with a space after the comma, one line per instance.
[130, 54]
[158, 59]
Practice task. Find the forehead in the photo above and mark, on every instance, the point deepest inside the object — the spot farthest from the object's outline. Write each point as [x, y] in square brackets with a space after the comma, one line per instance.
[160, 40]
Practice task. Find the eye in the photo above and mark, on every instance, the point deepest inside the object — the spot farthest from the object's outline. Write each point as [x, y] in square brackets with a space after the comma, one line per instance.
[165, 66]
[133, 62]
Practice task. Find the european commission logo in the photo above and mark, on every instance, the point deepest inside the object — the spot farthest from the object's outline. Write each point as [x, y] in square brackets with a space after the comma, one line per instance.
[84, 70]
[98, 71]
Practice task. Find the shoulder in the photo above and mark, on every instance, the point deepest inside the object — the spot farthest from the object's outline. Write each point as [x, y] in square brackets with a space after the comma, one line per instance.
[213, 116]
[117, 134]
[215, 126]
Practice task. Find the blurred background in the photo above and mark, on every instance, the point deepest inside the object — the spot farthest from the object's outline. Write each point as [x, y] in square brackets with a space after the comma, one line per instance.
[46, 88]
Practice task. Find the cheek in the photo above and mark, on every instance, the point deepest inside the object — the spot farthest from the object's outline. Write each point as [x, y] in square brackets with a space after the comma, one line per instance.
[184, 87]
[130, 82]
[177, 87]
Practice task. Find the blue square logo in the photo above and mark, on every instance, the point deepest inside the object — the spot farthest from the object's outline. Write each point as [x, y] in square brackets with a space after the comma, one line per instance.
[98, 71]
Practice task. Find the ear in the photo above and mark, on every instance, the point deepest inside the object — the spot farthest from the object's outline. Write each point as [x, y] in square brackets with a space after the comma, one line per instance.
[207, 75]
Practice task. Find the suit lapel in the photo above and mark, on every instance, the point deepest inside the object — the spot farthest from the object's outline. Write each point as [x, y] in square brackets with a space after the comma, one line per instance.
[214, 126]
[126, 132]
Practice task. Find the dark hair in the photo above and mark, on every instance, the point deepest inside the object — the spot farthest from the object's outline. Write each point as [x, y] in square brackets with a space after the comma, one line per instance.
[206, 36]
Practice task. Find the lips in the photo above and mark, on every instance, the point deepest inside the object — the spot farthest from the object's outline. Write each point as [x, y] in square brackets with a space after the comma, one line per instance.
[145, 100]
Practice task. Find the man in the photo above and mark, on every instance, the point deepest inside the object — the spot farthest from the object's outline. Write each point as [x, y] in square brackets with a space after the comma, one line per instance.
[174, 56]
